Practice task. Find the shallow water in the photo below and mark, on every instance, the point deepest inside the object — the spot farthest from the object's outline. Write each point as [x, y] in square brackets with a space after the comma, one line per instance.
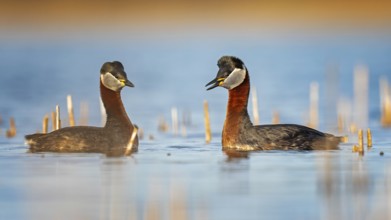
[175, 177]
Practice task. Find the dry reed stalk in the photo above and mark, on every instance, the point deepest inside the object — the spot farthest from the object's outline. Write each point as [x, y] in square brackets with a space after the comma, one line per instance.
[344, 139]
[361, 84]
[330, 94]
[183, 124]
[11, 132]
[70, 111]
[344, 113]
[369, 138]
[58, 120]
[54, 121]
[162, 124]
[174, 120]
[45, 124]
[254, 99]
[353, 128]
[103, 113]
[183, 130]
[140, 133]
[129, 147]
[276, 117]
[177, 203]
[83, 113]
[186, 118]
[360, 142]
[385, 103]
[314, 105]
[340, 123]
[208, 136]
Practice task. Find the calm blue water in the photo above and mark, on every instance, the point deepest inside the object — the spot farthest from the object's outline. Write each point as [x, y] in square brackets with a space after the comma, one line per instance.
[175, 177]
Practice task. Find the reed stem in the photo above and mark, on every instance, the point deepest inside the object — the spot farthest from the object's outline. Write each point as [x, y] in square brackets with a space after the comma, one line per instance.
[83, 113]
[360, 142]
[129, 147]
[361, 85]
[162, 124]
[369, 138]
[45, 123]
[54, 125]
[208, 136]
[314, 105]
[58, 120]
[276, 117]
[70, 111]
[11, 132]
[254, 99]
[385, 103]
[174, 120]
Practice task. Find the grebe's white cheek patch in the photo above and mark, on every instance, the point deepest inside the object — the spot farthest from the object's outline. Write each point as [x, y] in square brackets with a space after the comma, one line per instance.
[234, 79]
[110, 82]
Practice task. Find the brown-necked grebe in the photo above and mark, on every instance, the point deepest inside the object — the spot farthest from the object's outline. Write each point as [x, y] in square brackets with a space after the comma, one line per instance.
[112, 139]
[240, 134]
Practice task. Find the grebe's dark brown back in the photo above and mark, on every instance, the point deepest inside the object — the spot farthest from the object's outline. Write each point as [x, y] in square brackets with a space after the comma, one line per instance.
[112, 139]
[239, 132]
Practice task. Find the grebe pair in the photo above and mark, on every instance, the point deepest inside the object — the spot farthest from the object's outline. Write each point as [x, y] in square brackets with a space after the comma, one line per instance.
[238, 132]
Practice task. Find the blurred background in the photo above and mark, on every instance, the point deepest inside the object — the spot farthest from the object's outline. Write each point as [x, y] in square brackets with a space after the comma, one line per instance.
[170, 49]
[320, 63]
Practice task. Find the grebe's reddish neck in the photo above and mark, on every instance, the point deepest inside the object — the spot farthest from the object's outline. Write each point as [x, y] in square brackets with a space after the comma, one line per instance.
[238, 97]
[115, 109]
[236, 113]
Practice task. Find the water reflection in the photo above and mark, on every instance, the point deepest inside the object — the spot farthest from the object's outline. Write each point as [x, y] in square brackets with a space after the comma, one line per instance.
[234, 155]
[350, 190]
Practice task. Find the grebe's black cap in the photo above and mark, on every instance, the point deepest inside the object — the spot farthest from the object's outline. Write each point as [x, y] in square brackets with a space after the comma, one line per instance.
[115, 70]
[232, 72]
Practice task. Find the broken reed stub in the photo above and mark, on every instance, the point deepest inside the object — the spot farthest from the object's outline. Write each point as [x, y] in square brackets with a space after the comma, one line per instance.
[183, 130]
[361, 98]
[53, 115]
[129, 147]
[70, 111]
[208, 136]
[276, 117]
[58, 120]
[254, 100]
[11, 132]
[353, 128]
[344, 139]
[102, 113]
[83, 113]
[162, 125]
[340, 125]
[369, 138]
[45, 124]
[174, 120]
[314, 105]
[140, 134]
[385, 103]
[360, 142]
